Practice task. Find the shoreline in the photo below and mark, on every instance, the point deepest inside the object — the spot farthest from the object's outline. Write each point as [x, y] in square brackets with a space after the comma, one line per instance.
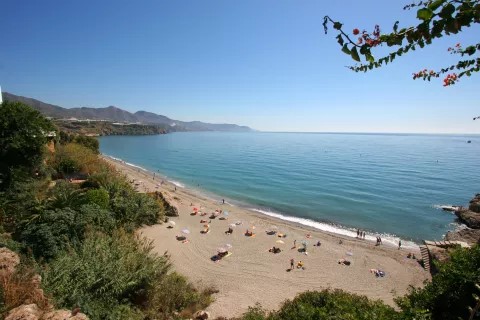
[253, 274]
[309, 224]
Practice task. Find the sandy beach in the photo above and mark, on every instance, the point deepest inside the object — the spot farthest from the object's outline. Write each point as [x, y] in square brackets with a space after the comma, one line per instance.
[251, 273]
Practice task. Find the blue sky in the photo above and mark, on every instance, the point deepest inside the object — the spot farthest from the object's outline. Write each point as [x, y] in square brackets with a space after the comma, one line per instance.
[265, 64]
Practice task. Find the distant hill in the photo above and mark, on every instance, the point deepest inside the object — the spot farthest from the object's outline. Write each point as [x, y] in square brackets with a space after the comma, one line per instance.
[115, 114]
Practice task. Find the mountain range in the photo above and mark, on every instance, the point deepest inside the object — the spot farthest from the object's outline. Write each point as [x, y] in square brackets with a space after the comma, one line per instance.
[115, 114]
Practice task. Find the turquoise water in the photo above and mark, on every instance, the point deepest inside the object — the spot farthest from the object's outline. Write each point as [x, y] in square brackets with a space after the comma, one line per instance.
[382, 183]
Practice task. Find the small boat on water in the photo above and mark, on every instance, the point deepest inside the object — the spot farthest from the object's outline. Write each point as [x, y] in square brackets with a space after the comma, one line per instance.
[450, 208]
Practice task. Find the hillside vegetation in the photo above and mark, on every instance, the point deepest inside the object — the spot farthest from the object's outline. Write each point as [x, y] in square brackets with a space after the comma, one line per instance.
[72, 218]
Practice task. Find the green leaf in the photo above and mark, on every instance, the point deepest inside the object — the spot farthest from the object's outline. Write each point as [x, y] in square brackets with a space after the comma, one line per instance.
[354, 54]
[340, 40]
[337, 25]
[370, 58]
[395, 26]
[345, 49]
[447, 11]
[424, 14]
[435, 4]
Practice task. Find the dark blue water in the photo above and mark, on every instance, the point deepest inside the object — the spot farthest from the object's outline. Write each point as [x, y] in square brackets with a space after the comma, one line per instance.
[382, 183]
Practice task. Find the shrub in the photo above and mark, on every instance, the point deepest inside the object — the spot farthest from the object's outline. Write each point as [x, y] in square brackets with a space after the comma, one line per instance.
[75, 158]
[451, 290]
[104, 273]
[49, 233]
[173, 293]
[64, 195]
[328, 305]
[99, 197]
[16, 289]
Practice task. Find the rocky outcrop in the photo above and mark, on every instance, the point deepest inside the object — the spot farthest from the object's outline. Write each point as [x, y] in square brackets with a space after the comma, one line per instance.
[33, 312]
[201, 315]
[31, 292]
[8, 261]
[63, 315]
[25, 312]
[470, 218]
[470, 236]
[475, 204]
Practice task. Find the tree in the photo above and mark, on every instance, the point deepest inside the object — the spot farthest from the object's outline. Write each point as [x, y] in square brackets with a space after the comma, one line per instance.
[437, 18]
[23, 136]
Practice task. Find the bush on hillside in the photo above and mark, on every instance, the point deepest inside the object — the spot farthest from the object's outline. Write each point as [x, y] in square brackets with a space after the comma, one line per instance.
[328, 305]
[450, 293]
[99, 197]
[74, 158]
[171, 293]
[105, 273]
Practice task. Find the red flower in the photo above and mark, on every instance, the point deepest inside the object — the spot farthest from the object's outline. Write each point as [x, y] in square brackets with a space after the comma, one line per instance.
[356, 31]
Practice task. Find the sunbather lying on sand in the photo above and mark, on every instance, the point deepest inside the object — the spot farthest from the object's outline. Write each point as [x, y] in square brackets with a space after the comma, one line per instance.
[345, 262]
[275, 250]
[378, 272]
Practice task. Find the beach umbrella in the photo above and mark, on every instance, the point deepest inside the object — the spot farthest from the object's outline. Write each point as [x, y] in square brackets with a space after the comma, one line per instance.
[233, 225]
[304, 242]
[221, 250]
[185, 231]
[195, 209]
[225, 213]
[348, 253]
[172, 223]
[228, 245]
[280, 241]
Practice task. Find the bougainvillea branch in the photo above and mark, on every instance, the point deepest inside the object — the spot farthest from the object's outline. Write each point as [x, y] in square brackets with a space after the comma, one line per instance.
[437, 18]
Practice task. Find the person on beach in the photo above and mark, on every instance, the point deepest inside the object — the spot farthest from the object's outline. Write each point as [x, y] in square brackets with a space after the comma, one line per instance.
[294, 243]
[363, 235]
[223, 201]
[399, 244]
[292, 263]
[358, 233]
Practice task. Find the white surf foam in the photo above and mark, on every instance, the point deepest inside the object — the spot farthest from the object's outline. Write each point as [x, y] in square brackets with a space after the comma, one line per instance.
[387, 239]
[178, 184]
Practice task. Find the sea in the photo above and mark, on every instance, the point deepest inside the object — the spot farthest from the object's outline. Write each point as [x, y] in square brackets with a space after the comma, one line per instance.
[386, 184]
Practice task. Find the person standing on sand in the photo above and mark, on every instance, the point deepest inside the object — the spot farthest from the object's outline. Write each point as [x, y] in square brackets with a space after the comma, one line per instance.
[358, 233]
[399, 244]
[292, 264]
[223, 201]
[294, 243]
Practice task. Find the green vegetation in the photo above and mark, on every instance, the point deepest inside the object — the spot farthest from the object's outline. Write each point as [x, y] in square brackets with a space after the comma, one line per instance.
[73, 218]
[437, 18]
[106, 128]
[451, 291]
[23, 136]
[326, 304]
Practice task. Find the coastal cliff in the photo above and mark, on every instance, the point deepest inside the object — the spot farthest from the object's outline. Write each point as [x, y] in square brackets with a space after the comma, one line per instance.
[470, 217]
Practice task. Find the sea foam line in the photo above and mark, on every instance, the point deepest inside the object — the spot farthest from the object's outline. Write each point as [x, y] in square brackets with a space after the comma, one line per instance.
[386, 238]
